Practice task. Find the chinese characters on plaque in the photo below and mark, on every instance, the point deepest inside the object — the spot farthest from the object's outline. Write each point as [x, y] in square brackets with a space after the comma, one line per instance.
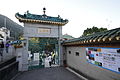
[44, 30]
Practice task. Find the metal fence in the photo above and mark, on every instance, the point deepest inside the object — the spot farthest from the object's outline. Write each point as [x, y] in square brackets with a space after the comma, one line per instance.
[7, 53]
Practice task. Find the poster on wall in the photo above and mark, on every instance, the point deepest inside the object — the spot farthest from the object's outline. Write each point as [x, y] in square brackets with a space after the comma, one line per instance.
[108, 58]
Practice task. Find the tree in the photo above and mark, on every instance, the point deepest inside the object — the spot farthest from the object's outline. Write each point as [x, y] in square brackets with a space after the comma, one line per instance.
[93, 30]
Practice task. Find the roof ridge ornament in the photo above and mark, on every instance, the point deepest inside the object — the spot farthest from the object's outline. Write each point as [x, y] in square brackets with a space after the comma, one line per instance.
[59, 16]
[27, 11]
[44, 10]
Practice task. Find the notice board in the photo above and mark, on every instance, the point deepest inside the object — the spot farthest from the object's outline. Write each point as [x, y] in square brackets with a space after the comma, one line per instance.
[108, 58]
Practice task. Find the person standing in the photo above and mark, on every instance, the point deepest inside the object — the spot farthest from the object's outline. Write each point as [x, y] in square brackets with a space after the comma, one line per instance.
[1, 48]
[53, 57]
[7, 46]
[50, 60]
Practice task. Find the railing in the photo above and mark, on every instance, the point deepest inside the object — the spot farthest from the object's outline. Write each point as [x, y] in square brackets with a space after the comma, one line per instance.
[8, 69]
[7, 53]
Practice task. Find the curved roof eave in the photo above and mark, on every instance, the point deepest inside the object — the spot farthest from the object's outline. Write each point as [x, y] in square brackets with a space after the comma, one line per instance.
[40, 21]
[103, 37]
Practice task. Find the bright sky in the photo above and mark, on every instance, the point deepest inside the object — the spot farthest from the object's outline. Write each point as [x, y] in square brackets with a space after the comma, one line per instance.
[82, 14]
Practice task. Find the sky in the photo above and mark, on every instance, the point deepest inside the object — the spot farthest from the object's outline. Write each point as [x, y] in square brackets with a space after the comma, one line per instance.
[82, 14]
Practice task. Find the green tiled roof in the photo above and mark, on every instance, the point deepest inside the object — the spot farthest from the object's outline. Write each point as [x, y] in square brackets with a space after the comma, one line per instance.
[100, 37]
[28, 17]
[66, 36]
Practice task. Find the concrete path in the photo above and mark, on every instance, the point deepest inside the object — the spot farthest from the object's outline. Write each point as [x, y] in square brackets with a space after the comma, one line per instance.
[54, 73]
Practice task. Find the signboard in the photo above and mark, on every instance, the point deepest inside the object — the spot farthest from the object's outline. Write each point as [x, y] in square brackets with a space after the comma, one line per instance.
[36, 56]
[36, 59]
[108, 58]
[44, 30]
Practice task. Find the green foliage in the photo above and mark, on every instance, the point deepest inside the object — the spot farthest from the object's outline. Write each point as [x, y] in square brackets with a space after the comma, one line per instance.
[42, 44]
[93, 30]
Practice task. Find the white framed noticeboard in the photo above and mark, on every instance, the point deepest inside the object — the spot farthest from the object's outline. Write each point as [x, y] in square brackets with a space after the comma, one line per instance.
[108, 58]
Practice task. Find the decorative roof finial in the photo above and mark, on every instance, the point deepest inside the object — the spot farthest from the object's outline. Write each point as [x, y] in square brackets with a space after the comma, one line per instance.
[58, 16]
[27, 11]
[44, 10]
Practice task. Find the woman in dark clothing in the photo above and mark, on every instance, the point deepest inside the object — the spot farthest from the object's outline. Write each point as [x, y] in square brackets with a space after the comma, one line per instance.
[1, 48]
[7, 46]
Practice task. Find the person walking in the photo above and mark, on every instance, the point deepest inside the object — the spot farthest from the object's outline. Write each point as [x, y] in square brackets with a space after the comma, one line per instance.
[50, 60]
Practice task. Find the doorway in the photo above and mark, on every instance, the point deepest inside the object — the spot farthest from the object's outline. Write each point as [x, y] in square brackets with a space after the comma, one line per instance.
[39, 49]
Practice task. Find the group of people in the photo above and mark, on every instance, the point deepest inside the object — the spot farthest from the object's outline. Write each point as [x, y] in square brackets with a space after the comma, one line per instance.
[51, 58]
[3, 46]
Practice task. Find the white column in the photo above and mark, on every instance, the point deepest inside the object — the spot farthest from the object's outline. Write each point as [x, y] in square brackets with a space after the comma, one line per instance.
[59, 44]
[25, 56]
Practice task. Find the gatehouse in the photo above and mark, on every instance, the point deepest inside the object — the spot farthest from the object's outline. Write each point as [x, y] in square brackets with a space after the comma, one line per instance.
[42, 34]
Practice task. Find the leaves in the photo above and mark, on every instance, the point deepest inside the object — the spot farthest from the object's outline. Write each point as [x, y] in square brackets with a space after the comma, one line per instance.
[93, 30]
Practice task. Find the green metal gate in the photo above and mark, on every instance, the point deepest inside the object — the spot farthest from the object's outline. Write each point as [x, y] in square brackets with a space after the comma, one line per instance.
[39, 48]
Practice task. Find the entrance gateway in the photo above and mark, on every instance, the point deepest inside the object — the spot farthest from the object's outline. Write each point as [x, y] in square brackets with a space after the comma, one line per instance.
[43, 34]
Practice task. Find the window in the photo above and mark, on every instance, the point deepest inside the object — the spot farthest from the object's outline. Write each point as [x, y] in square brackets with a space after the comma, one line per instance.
[77, 53]
[69, 52]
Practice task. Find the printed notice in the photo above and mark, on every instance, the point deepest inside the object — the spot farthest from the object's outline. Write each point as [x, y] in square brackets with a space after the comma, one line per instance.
[108, 58]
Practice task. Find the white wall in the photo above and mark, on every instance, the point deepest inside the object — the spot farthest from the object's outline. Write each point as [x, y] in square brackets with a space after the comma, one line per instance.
[22, 57]
[79, 63]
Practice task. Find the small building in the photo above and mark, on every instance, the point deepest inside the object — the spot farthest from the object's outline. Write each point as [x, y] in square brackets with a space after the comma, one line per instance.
[96, 56]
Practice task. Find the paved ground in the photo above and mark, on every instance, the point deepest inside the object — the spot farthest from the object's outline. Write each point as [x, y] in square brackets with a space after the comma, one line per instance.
[54, 73]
